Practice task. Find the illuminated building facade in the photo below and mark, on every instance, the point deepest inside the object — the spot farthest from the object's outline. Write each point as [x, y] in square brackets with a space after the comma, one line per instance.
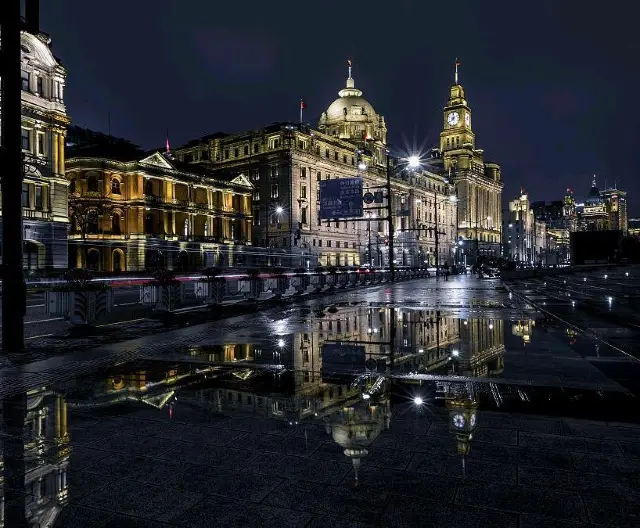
[154, 212]
[478, 183]
[525, 236]
[615, 201]
[286, 163]
[44, 122]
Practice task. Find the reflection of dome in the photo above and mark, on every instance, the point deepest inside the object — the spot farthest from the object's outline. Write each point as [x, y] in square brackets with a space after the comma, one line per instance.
[593, 198]
[352, 117]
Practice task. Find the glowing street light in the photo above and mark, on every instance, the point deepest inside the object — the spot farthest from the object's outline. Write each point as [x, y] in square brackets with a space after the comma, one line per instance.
[418, 400]
[281, 343]
[279, 210]
[453, 198]
[413, 162]
[362, 165]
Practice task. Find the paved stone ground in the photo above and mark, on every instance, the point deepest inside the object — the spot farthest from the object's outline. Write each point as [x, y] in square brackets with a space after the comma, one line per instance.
[204, 469]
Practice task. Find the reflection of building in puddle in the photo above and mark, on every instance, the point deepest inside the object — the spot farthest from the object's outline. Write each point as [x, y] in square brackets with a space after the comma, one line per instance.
[356, 426]
[462, 414]
[523, 329]
[416, 337]
[277, 351]
[481, 352]
[43, 463]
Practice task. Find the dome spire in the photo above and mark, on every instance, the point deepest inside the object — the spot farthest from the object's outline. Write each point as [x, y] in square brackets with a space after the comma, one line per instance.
[455, 77]
[350, 90]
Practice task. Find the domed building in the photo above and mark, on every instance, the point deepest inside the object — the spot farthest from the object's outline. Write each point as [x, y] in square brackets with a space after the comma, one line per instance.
[352, 118]
[594, 214]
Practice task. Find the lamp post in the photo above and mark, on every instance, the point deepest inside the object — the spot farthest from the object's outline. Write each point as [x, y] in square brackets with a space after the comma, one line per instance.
[392, 267]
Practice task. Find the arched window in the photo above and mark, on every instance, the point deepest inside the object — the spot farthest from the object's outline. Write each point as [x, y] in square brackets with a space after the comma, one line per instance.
[92, 184]
[115, 186]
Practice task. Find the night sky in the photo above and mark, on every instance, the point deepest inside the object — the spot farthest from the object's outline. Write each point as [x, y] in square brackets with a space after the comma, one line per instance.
[553, 85]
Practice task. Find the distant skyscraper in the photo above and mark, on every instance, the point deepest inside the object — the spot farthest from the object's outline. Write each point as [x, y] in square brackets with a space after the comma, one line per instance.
[615, 201]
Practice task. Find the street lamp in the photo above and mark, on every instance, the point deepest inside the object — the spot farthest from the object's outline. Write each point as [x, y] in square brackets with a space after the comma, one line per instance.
[413, 162]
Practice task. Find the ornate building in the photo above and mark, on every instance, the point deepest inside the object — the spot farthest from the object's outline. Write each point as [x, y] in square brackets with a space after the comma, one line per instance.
[615, 201]
[154, 212]
[286, 163]
[44, 122]
[478, 183]
[593, 214]
[525, 236]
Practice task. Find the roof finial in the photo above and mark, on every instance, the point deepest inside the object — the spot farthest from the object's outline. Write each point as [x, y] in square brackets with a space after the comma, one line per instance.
[594, 181]
[456, 75]
[349, 64]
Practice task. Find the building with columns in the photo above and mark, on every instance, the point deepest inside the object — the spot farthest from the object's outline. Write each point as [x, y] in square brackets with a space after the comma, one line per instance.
[131, 214]
[286, 163]
[44, 123]
[478, 183]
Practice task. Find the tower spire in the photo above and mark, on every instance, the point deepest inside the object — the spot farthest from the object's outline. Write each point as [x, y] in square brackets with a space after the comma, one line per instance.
[456, 74]
[349, 64]
[593, 184]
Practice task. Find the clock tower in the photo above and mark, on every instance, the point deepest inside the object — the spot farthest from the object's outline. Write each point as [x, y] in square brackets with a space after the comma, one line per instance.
[456, 131]
[478, 182]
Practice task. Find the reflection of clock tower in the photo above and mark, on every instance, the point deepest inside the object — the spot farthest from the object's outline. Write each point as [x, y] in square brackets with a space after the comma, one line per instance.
[478, 183]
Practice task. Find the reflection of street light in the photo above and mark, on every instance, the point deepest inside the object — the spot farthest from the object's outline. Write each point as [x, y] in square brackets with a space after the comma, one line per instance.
[418, 400]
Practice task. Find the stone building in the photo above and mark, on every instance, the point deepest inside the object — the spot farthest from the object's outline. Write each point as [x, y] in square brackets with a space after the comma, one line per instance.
[154, 212]
[593, 215]
[478, 182]
[44, 122]
[615, 201]
[286, 163]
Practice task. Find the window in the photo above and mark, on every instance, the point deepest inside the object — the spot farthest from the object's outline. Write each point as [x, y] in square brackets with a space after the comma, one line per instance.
[39, 86]
[337, 243]
[326, 153]
[344, 158]
[226, 154]
[256, 175]
[318, 176]
[186, 227]
[39, 197]
[256, 196]
[92, 184]
[25, 195]
[246, 150]
[115, 224]
[41, 144]
[26, 139]
[335, 155]
[255, 148]
[72, 186]
[148, 187]
[25, 78]
[115, 186]
[236, 152]
[274, 143]
[92, 222]
[274, 190]
[303, 192]
[303, 172]
[328, 243]
[303, 214]
[318, 219]
[317, 150]
[204, 154]
[318, 194]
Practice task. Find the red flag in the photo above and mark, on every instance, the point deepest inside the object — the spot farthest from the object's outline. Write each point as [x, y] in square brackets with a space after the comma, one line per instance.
[349, 63]
[457, 63]
[303, 105]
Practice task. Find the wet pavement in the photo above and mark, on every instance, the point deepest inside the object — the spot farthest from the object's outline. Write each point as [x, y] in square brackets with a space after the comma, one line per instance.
[421, 404]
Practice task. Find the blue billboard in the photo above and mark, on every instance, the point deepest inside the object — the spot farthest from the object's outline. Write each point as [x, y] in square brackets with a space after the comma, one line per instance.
[341, 198]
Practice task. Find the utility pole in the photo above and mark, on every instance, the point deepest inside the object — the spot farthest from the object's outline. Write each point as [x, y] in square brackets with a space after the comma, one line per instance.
[11, 169]
[392, 267]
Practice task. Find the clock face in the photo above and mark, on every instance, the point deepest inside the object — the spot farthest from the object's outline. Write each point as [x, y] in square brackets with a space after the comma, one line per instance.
[458, 421]
[453, 118]
[467, 119]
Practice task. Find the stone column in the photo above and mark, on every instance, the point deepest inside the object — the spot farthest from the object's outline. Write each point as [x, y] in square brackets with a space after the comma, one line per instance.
[54, 152]
[61, 154]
